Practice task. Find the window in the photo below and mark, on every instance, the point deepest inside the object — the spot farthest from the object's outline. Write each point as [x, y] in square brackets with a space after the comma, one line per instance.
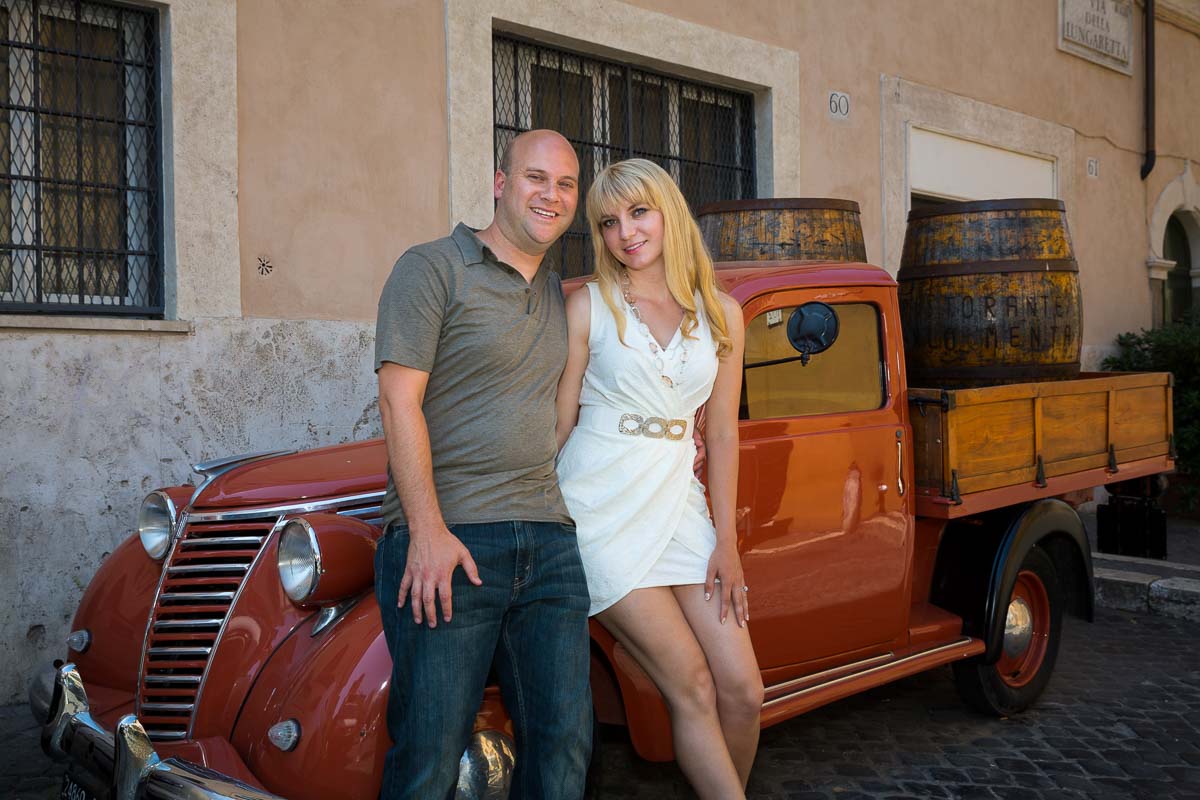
[79, 197]
[703, 135]
[846, 377]
[1177, 291]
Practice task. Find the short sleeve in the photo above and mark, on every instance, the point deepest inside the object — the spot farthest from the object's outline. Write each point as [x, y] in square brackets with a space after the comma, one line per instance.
[411, 309]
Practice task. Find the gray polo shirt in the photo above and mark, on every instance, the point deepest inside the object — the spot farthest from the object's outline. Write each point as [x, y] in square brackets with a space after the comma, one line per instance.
[494, 347]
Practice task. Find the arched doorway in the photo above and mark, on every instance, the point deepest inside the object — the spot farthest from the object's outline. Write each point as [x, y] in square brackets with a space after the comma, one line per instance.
[1178, 294]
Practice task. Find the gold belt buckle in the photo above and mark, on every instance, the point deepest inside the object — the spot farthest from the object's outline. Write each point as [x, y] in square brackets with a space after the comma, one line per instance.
[652, 427]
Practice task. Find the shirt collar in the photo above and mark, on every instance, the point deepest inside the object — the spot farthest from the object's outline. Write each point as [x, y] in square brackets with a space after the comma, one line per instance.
[474, 251]
[469, 245]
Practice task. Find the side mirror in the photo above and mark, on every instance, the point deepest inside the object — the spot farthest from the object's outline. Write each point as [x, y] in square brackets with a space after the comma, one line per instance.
[812, 328]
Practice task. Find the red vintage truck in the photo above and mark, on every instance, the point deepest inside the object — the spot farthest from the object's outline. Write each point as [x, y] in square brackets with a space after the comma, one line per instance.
[232, 648]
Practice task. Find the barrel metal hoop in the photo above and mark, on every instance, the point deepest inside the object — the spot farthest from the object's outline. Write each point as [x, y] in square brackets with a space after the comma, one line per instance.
[778, 204]
[977, 206]
[920, 271]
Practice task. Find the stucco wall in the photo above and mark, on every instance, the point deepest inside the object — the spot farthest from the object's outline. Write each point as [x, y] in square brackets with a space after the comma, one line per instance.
[342, 149]
[100, 419]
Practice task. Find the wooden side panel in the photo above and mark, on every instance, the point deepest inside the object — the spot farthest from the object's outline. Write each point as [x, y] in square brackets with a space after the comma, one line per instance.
[992, 440]
[1074, 425]
[928, 447]
[1138, 418]
[1020, 435]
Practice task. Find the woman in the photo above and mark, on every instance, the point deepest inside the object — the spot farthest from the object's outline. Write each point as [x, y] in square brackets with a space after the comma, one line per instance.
[650, 341]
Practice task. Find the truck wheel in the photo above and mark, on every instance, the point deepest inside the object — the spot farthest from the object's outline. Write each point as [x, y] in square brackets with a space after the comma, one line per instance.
[1031, 636]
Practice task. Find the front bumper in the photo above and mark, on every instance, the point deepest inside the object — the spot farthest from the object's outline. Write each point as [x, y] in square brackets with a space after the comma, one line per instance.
[123, 762]
[124, 766]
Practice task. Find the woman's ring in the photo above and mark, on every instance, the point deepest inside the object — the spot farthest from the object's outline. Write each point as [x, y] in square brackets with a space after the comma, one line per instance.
[716, 580]
[745, 588]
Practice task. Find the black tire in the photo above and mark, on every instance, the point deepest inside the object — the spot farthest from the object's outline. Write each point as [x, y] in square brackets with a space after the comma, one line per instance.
[1014, 683]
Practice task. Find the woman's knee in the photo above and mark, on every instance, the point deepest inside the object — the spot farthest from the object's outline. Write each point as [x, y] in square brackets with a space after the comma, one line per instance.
[741, 694]
[691, 690]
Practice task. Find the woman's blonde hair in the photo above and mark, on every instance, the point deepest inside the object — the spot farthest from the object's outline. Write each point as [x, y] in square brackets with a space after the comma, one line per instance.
[689, 267]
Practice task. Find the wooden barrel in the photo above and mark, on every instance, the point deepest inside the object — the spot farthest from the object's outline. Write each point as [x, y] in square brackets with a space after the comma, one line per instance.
[989, 293]
[787, 229]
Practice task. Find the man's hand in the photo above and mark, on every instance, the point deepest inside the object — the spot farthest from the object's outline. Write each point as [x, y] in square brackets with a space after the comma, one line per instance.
[432, 557]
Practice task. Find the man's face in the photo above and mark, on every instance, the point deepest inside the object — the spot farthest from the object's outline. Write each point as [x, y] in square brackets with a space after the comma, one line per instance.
[538, 198]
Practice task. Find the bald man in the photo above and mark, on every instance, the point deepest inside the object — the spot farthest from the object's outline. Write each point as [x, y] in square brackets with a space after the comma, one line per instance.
[478, 567]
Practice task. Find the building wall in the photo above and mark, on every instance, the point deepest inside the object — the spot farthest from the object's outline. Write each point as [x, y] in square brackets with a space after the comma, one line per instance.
[317, 137]
[342, 150]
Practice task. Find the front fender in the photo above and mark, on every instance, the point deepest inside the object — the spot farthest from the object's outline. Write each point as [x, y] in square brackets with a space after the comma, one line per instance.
[979, 558]
[115, 608]
[335, 685]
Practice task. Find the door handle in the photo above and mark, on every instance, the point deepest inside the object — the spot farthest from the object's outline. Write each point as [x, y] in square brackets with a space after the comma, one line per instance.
[900, 462]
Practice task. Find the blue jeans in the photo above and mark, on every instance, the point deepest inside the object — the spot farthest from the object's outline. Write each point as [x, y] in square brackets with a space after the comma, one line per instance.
[529, 621]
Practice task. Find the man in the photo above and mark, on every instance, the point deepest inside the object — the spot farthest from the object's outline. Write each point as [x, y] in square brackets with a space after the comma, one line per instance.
[470, 343]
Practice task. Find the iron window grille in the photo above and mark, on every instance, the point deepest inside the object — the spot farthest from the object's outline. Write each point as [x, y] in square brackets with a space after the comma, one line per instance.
[703, 135]
[79, 159]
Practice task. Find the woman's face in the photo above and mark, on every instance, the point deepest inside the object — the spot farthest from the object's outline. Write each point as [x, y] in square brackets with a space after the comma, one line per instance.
[634, 235]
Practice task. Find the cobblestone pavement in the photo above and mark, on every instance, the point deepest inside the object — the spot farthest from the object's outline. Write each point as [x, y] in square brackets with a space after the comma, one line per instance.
[1121, 719]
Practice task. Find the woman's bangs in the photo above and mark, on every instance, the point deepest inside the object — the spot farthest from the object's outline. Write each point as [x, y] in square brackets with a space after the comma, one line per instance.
[614, 192]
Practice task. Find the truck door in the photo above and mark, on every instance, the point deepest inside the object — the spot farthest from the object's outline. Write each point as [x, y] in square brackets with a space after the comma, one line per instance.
[826, 532]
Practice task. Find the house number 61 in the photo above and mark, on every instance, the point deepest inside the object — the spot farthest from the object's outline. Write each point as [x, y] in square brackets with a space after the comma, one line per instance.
[839, 105]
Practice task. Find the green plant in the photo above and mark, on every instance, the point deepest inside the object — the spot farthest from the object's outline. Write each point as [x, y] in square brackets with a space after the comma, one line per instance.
[1173, 348]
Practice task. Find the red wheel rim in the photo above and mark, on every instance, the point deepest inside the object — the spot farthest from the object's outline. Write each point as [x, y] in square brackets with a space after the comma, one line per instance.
[1018, 669]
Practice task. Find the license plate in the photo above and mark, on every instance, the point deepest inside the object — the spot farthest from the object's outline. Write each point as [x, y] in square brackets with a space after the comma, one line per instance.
[73, 791]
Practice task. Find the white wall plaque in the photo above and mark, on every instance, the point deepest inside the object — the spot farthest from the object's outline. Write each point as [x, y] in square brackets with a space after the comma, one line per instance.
[1098, 30]
[839, 105]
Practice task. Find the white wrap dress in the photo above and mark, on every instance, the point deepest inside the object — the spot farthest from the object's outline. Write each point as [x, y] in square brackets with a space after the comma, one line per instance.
[640, 513]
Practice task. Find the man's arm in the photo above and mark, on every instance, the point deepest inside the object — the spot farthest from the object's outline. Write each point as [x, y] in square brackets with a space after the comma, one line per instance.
[433, 551]
[570, 385]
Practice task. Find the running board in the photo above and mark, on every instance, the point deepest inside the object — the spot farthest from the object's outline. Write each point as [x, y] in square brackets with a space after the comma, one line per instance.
[870, 675]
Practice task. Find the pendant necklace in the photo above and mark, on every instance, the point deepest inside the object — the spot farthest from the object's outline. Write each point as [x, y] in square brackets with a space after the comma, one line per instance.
[655, 349]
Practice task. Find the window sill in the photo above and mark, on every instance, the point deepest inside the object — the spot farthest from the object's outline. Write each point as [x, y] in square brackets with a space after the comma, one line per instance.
[29, 322]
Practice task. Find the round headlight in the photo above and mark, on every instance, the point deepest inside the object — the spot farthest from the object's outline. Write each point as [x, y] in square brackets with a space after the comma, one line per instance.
[299, 560]
[156, 524]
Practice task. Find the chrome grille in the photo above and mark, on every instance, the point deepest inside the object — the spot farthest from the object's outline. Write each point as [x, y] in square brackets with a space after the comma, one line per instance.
[201, 580]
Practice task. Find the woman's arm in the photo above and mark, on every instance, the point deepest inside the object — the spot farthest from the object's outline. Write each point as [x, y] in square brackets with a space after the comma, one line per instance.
[721, 440]
[579, 323]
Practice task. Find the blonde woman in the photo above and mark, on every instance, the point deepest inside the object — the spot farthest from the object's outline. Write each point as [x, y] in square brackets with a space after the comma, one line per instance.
[651, 340]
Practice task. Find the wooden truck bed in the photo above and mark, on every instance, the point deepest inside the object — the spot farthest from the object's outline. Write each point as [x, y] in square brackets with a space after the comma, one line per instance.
[984, 448]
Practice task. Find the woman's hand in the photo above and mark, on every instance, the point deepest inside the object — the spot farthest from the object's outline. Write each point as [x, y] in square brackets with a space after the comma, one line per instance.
[726, 580]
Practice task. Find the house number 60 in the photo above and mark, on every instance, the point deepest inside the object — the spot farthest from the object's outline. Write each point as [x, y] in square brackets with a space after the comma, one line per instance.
[839, 105]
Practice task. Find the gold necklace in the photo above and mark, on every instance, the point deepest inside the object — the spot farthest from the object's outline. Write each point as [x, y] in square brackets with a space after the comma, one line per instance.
[656, 350]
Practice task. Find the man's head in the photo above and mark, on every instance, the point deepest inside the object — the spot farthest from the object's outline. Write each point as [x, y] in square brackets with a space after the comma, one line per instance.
[537, 190]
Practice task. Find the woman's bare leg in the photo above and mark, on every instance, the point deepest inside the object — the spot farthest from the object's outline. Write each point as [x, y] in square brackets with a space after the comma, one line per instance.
[651, 625]
[730, 657]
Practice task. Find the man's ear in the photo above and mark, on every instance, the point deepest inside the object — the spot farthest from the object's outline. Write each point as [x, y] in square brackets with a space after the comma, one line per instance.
[498, 184]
